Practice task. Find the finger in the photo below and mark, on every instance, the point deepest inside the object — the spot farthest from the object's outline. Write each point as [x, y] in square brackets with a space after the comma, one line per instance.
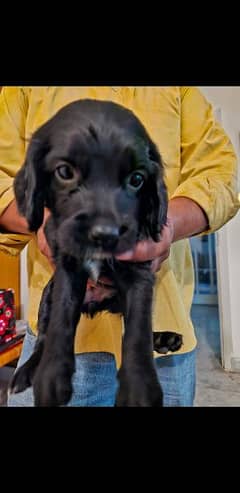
[155, 265]
[48, 255]
[144, 250]
[126, 255]
[52, 264]
[157, 262]
[45, 249]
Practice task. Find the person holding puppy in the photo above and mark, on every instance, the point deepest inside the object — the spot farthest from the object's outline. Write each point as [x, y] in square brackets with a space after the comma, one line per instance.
[200, 173]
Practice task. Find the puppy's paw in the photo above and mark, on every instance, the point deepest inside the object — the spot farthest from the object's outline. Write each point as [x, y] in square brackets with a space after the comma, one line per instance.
[22, 378]
[143, 390]
[167, 341]
[52, 385]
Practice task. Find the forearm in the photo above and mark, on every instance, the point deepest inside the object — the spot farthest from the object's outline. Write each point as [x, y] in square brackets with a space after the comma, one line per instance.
[187, 218]
[10, 220]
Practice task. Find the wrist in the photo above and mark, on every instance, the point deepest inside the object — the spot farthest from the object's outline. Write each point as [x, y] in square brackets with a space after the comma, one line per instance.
[186, 217]
[12, 221]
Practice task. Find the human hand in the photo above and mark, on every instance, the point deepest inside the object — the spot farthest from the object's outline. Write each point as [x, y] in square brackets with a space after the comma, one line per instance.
[42, 241]
[150, 250]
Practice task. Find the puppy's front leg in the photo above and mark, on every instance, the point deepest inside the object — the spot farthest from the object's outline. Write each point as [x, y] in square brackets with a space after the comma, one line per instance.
[52, 384]
[138, 382]
[23, 376]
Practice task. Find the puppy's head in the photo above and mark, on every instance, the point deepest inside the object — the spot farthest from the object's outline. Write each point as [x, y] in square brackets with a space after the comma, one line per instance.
[95, 167]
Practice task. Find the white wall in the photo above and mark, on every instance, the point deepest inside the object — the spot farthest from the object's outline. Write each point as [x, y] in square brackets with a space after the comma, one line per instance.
[228, 239]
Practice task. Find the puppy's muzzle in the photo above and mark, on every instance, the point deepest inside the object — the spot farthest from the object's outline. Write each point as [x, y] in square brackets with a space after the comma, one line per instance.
[104, 236]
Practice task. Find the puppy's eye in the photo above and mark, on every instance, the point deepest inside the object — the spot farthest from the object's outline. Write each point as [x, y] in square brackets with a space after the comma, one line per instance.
[65, 172]
[136, 180]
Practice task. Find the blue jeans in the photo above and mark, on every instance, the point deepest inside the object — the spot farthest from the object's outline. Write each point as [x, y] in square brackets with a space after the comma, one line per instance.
[95, 383]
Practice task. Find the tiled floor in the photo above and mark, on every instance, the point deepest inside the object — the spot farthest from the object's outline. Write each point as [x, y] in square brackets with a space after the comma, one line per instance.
[215, 386]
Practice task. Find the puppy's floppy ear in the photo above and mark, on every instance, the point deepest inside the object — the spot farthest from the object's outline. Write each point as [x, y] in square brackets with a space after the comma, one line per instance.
[30, 184]
[155, 198]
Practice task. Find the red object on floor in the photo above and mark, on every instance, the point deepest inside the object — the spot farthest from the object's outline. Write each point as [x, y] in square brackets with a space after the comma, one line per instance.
[7, 316]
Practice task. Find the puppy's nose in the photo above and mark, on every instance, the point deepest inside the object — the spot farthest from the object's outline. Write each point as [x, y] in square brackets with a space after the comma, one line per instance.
[105, 236]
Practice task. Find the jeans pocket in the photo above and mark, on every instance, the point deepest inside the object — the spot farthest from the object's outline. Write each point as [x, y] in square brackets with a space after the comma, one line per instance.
[30, 332]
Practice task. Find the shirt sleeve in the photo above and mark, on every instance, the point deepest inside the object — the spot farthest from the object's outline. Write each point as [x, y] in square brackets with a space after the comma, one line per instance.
[208, 172]
[13, 112]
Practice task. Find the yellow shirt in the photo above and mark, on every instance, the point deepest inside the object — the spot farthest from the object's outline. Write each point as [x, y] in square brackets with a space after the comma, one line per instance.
[200, 163]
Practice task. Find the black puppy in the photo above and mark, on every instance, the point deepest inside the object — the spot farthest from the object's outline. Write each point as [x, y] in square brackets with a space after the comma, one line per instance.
[95, 167]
